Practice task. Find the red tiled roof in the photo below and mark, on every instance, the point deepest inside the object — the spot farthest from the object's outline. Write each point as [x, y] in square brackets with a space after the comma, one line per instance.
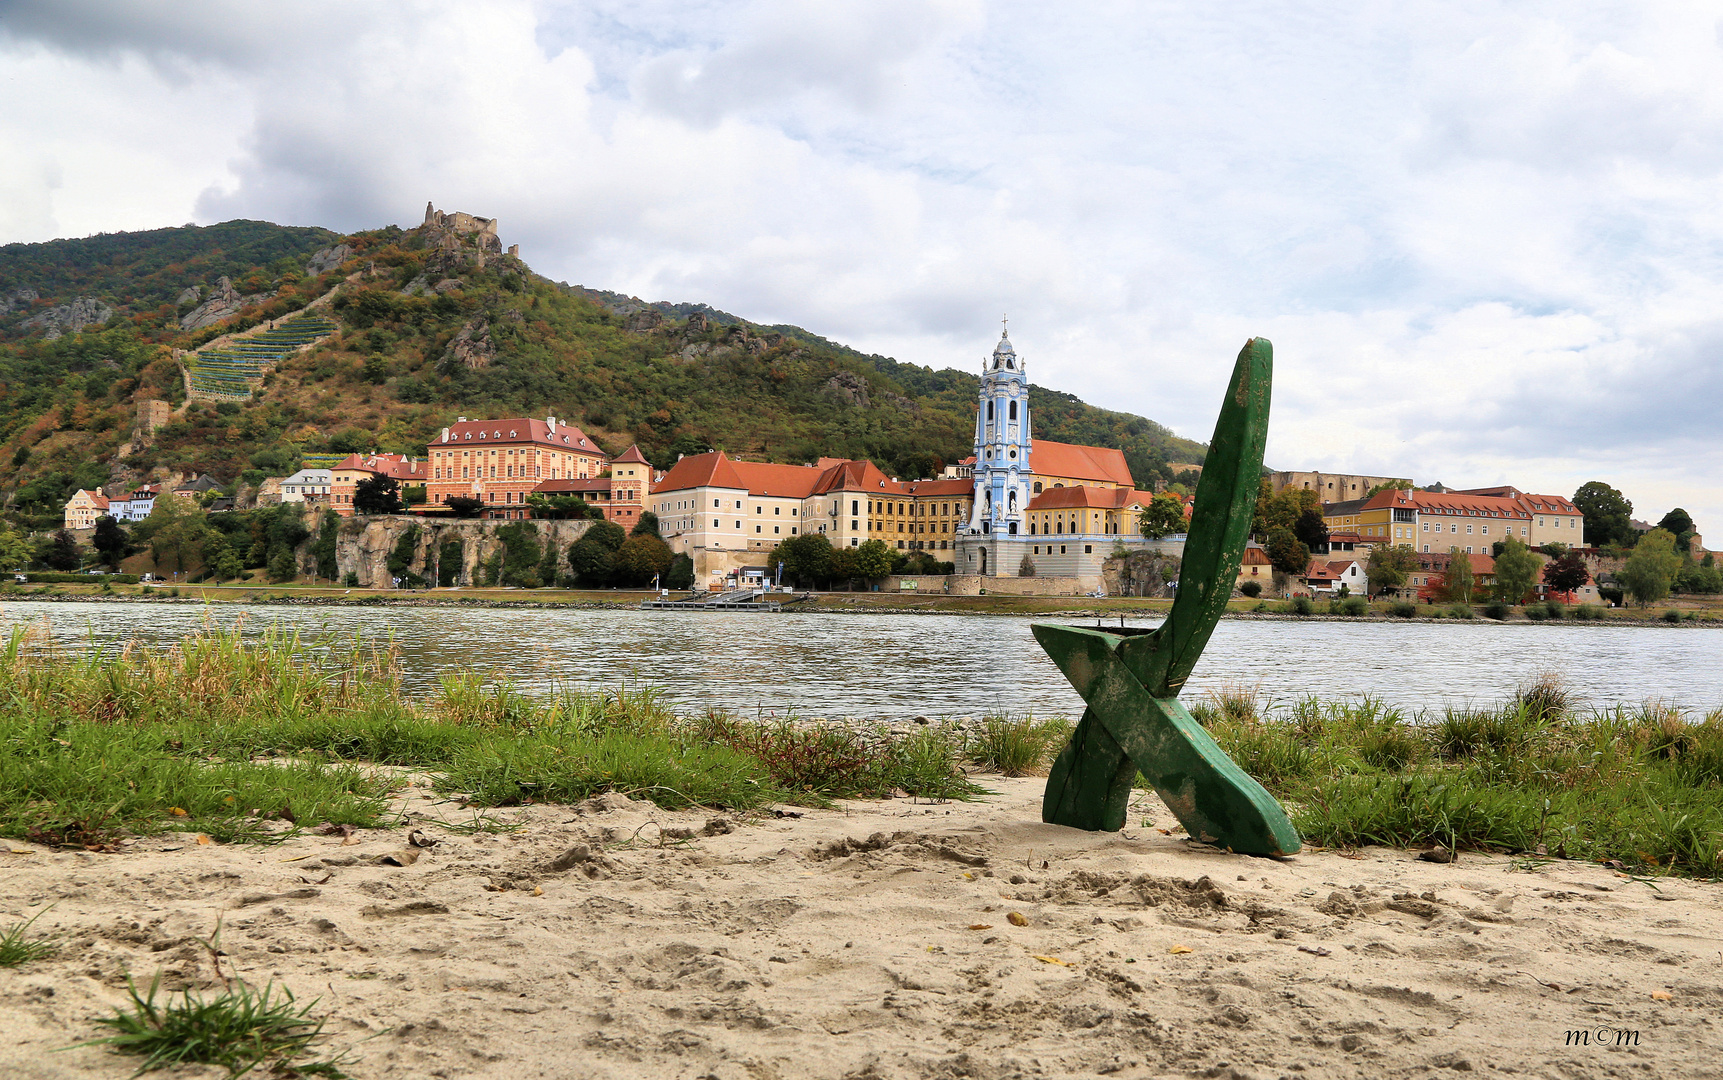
[1059, 498]
[633, 455]
[1079, 462]
[519, 429]
[1450, 503]
[938, 487]
[840, 475]
[398, 466]
[711, 469]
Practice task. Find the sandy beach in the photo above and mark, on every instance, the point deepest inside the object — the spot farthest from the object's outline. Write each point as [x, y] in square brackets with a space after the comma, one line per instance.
[876, 941]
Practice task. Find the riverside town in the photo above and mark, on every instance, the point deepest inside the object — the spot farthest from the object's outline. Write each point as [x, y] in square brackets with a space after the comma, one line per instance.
[970, 542]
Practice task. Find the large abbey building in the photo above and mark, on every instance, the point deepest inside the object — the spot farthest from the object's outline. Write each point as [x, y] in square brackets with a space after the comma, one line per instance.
[1064, 507]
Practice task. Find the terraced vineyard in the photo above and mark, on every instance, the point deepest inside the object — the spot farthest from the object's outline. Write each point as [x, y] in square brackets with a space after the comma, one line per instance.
[231, 370]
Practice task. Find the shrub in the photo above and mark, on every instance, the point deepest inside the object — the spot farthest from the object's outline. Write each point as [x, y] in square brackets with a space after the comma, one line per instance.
[1498, 610]
[1672, 616]
[1588, 613]
[58, 578]
[1554, 611]
[1251, 589]
[351, 579]
[1536, 612]
[1461, 611]
[1403, 609]
[1017, 745]
[1301, 605]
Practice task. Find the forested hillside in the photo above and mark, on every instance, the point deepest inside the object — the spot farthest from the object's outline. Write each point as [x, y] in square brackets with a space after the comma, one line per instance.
[430, 326]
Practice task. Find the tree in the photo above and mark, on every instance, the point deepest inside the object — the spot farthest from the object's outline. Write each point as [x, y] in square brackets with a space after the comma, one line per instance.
[177, 532]
[1298, 510]
[1287, 552]
[843, 565]
[1566, 572]
[60, 551]
[1026, 568]
[463, 507]
[681, 573]
[378, 494]
[640, 559]
[110, 541]
[1517, 570]
[227, 567]
[282, 565]
[593, 556]
[215, 549]
[1608, 514]
[14, 550]
[1650, 570]
[646, 526]
[807, 558]
[1164, 516]
[1459, 582]
[872, 560]
[324, 549]
[1679, 524]
[1388, 485]
[1387, 567]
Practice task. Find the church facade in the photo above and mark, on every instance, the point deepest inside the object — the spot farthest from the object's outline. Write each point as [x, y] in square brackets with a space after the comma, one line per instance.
[1062, 507]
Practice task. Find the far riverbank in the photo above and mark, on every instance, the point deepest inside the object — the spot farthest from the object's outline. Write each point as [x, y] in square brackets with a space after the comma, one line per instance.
[1692, 611]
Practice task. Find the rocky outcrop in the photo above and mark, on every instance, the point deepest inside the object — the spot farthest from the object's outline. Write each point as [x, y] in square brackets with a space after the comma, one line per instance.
[73, 317]
[16, 299]
[363, 546]
[327, 259]
[644, 321]
[224, 300]
[472, 346]
[1140, 573]
[850, 388]
[191, 294]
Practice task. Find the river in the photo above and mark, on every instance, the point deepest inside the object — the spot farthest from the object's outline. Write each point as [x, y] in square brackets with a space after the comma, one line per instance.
[895, 666]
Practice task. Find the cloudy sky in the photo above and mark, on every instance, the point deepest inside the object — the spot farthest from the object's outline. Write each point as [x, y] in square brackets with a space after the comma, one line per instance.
[1485, 238]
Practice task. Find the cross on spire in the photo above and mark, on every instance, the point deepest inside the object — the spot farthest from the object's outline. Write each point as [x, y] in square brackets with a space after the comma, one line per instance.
[1004, 325]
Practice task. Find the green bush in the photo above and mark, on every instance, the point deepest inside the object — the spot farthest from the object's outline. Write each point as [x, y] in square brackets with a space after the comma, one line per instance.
[1588, 613]
[1537, 612]
[1402, 609]
[1251, 589]
[1300, 605]
[1498, 610]
[1672, 616]
[1460, 611]
[54, 577]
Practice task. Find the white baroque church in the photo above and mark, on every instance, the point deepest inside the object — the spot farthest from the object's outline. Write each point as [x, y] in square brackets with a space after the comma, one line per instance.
[1063, 507]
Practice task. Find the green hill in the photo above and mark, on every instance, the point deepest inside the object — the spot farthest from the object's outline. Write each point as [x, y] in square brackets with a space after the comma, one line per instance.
[426, 325]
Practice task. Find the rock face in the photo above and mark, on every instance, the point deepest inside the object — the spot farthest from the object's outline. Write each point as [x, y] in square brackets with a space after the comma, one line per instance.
[224, 300]
[472, 346]
[849, 387]
[191, 294]
[82, 312]
[363, 545]
[17, 298]
[328, 259]
[1141, 573]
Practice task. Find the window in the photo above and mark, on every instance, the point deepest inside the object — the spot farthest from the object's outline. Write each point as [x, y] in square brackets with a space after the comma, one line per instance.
[1468, 530]
[1088, 549]
[776, 529]
[853, 523]
[1061, 549]
[990, 410]
[1485, 530]
[738, 524]
[1012, 414]
[1426, 547]
[793, 529]
[854, 504]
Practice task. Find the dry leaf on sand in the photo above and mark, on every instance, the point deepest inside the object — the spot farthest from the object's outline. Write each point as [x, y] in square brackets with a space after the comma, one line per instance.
[1178, 950]
[1017, 918]
[403, 857]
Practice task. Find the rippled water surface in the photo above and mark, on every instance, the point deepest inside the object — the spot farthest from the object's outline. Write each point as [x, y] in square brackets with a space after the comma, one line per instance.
[897, 665]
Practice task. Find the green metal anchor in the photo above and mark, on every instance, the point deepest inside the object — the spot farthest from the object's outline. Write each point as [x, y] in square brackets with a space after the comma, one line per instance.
[1130, 679]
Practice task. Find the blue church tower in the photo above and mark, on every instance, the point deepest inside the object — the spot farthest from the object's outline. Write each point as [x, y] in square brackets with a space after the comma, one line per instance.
[1002, 444]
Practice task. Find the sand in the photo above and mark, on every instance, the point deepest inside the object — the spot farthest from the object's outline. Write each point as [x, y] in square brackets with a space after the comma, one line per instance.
[878, 941]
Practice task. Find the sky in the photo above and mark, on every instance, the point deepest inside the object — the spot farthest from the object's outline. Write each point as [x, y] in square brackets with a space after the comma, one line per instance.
[1485, 238]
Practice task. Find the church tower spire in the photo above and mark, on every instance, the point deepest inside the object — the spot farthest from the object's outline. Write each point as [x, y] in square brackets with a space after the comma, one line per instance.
[1002, 443]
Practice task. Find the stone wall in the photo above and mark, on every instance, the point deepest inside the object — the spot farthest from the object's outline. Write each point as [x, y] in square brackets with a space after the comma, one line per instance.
[973, 584]
[363, 545]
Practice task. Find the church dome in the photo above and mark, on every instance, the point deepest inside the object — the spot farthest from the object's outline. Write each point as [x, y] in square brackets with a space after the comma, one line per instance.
[1004, 347]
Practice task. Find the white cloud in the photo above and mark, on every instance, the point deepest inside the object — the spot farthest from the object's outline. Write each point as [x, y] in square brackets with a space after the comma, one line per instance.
[1482, 236]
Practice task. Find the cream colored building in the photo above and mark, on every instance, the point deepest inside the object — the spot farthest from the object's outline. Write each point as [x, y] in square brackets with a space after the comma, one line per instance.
[83, 508]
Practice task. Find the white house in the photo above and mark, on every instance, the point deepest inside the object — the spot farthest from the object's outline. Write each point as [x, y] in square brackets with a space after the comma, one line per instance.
[307, 484]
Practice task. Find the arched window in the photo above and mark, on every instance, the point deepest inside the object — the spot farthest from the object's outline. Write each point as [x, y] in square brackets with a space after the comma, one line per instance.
[990, 410]
[1013, 412]
[1037, 487]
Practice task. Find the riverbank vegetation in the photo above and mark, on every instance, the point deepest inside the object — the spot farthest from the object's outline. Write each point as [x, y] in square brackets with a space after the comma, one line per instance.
[247, 737]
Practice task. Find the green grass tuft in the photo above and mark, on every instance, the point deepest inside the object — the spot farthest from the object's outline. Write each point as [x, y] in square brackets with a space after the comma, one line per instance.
[240, 1029]
[16, 949]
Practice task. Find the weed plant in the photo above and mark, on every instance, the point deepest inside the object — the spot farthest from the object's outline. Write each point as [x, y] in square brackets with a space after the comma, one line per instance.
[1017, 745]
[17, 948]
[240, 1029]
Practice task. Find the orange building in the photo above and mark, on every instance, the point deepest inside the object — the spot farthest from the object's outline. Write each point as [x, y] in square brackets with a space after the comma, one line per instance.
[498, 462]
[620, 495]
[344, 476]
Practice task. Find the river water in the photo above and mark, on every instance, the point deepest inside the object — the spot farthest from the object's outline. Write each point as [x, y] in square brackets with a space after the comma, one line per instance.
[830, 665]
